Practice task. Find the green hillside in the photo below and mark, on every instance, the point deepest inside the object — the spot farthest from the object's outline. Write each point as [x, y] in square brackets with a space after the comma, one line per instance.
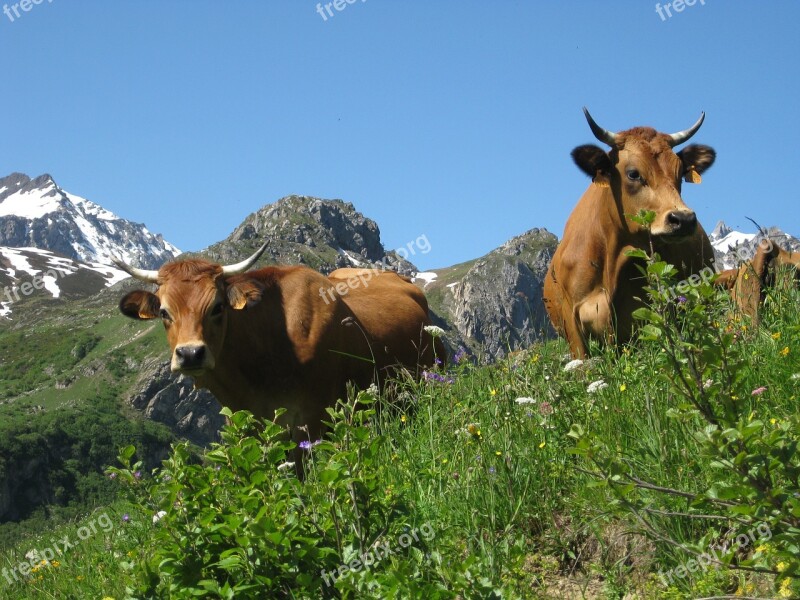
[624, 476]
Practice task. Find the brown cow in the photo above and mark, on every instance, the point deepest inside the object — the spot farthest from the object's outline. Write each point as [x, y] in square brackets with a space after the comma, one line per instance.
[748, 284]
[592, 287]
[276, 337]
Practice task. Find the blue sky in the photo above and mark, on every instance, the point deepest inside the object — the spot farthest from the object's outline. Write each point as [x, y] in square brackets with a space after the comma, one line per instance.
[448, 118]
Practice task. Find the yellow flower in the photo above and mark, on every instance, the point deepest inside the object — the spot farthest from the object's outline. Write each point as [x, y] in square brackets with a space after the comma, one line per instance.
[773, 421]
[781, 567]
[784, 591]
[444, 461]
[535, 358]
[55, 563]
[498, 453]
[542, 445]
[402, 418]
[785, 351]
[79, 578]
[776, 335]
[34, 569]
[493, 392]
[623, 387]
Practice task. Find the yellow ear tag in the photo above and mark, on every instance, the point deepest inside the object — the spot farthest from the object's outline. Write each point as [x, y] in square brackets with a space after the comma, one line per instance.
[692, 176]
[601, 180]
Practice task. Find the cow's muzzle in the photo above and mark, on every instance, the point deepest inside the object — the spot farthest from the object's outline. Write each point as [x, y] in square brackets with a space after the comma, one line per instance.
[681, 223]
[190, 358]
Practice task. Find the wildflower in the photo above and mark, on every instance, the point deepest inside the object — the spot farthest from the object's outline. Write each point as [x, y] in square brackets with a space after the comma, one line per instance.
[456, 476]
[126, 517]
[525, 400]
[795, 377]
[474, 431]
[137, 475]
[305, 445]
[785, 351]
[112, 476]
[776, 335]
[491, 470]
[758, 391]
[545, 408]
[708, 383]
[535, 358]
[781, 566]
[681, 299]
[403, 418]
[498, 453]
[281, 467]
[573, 364]
[434, 330]
[542, 445]
[596, 386]
[623, 387]
[784, 591]
[79, 578]
[55, 564]
[460, 355]
[437, 362]
[773, 420]
[444, 461]
[493, 392]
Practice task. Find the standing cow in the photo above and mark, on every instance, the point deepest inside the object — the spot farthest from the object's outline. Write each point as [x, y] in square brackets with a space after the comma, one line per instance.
[284, 336]
[592, 287]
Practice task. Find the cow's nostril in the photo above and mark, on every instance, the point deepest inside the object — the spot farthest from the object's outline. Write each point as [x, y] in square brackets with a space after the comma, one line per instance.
[190, 356]
[682, 222]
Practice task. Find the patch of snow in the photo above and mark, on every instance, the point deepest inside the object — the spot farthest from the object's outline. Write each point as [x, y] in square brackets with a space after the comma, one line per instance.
[29, 205]
[18, 261]
[51, 286]
[428, 277]
[450, 285]
[732, 240]
[5, 309]
[111, 274]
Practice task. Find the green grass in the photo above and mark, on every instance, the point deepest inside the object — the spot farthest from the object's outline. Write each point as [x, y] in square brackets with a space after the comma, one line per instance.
[498, 482]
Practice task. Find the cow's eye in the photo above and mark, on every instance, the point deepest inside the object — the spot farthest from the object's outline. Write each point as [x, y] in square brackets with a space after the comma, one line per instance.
[217, 309]
[165, 315]
[634, 175]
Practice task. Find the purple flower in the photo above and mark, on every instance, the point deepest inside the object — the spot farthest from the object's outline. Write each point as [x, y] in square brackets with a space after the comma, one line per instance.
[137, 475]
[126, 517]
[305, 445]
[759, 391]
[112, 475]
[681, 299]
[460, 355]
[438, 361]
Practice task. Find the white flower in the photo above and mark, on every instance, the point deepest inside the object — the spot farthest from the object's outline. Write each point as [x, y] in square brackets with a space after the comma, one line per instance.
[158, 516]
[573, 364]
[795, 376]
[434, 330]
[32, 555]
[596, 386]
[524, 400]
[708, 383]
[285, 465]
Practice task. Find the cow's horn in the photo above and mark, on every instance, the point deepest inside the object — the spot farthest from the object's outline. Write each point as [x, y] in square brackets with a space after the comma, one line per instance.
[604, 135]
[683, 136]
[241, 267]
[143, 274]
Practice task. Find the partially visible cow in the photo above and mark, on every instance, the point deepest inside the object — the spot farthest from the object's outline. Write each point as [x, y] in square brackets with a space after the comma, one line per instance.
[276, 337]
[749, 283]
[592, 287]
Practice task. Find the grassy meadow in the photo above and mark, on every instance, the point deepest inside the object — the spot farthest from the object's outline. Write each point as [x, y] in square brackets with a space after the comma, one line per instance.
[667, 469]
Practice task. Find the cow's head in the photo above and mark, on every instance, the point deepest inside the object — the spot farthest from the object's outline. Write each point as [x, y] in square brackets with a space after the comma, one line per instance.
[193, 301]
[643, 172]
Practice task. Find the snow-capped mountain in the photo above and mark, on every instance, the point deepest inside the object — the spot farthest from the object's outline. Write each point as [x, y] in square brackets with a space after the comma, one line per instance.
[731, 247]
[38, 213]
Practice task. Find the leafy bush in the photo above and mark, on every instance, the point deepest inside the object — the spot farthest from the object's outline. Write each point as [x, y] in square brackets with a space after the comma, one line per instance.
[240, 524]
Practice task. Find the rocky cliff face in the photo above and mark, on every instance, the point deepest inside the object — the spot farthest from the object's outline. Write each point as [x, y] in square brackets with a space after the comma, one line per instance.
[323, 234]
[732, 247]
[494, 304]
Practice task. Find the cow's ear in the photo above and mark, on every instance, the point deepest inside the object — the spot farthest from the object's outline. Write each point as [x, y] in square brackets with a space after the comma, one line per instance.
[592, 160]
[696, 159]
[140, 305]
[244, 293]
